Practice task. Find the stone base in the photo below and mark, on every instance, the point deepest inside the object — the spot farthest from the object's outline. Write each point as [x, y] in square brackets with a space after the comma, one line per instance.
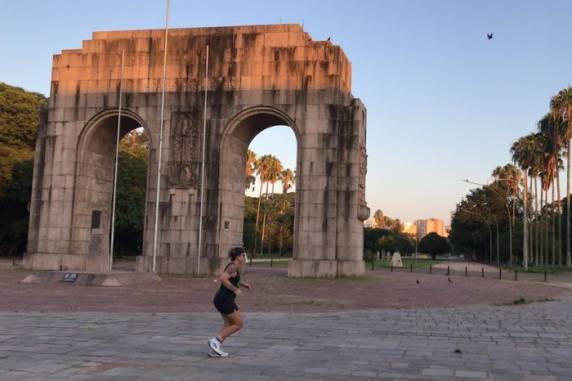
[41, 261]
[114, 279]
[65, 262]
[298, 268]
[180, 266]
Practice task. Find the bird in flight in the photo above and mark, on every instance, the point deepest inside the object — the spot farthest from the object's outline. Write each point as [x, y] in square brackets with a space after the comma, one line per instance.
[489, 36]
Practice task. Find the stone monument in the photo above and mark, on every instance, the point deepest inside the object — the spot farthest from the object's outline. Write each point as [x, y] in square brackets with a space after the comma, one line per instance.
[258, 77]
[396, 260]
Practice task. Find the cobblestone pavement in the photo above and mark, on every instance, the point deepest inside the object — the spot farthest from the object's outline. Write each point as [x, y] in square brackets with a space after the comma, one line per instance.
[529, 342]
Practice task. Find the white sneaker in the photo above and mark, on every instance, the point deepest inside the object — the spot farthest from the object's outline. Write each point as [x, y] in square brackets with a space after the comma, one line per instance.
[214, 345]
[214, 354]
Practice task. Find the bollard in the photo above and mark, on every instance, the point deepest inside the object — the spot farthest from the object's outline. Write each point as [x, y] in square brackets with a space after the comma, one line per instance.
[515, 275]
[466, 271]
[482, 272]
[545, 278]
[430, 268]
[448, 271]
[271, 262]
[500, 273]
[391, 267]
[411, 267]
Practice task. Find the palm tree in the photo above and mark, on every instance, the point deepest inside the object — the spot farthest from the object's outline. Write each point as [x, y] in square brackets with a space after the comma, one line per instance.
[250, 168]
[274, 172]
[510, 174]
[262, 167]
[523, 153]
[561, 107]
[535, 171]
[554, 132]
[287, 179]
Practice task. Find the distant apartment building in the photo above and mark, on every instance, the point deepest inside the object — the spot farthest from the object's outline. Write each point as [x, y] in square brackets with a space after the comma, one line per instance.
[410, 228]
[431, 225]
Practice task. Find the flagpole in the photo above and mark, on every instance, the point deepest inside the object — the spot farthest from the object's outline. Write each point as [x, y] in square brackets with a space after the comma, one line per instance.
[203, 167]
[115, 173]
[160, 146]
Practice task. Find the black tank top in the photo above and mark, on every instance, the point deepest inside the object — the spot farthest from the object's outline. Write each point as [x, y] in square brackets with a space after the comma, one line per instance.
[235, 280]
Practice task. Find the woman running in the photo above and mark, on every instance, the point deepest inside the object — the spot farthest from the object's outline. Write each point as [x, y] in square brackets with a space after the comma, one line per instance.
[224, 301]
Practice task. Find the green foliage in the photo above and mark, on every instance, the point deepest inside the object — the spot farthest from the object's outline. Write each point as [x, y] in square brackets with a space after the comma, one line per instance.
[433, 244]
[387, 240]
[18, 127]
[131, 187]
[279, 227]
[19, 116]
[396, 242]
[14, 209]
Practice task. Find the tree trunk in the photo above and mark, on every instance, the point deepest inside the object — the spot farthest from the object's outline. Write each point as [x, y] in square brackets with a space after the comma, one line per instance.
[542, 227]
[568, 251]
[538, 197]
[525, 226]
[553, 224]
[262, 239]
[264, 222]
[531, 223]
[257, 215]
[559, 222]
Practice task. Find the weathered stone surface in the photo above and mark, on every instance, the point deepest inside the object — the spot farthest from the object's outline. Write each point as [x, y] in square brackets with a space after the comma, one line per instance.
[258, 77]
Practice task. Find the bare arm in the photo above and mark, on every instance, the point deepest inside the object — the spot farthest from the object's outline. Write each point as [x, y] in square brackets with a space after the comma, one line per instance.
[225, 276]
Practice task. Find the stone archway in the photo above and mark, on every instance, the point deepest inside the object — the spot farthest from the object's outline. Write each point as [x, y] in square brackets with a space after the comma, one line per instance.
[86, 219]
[236, 138]
[258, 76]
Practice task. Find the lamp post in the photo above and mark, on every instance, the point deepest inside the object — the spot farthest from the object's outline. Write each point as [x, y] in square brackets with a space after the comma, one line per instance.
[490, 234]
[507, 212]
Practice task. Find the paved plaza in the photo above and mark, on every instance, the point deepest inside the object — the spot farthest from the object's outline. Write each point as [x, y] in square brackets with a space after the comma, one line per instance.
[527, 342]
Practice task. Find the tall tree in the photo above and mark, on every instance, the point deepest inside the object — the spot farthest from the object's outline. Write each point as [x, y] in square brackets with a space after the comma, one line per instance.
[18, 128]
[507, 180]
[250, 169]
[287, 179]
[262, 167]
[274, 173]
[378, 219]
[523, 151]
[561, 107]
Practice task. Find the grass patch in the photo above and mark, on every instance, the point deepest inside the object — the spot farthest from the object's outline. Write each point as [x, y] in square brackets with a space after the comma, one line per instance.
[318, 302]
[407, 262]
[522, 300]
[539, 269]
[278, 262]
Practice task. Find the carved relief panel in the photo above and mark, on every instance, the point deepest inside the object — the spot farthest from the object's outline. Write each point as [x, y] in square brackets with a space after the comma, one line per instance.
[185, 151]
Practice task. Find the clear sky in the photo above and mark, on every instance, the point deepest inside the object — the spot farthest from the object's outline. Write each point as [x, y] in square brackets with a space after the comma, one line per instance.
[444, 103]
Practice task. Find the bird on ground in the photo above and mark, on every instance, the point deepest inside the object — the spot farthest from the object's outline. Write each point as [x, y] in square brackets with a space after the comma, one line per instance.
[418, 281]
[449, 279]
[489, 36]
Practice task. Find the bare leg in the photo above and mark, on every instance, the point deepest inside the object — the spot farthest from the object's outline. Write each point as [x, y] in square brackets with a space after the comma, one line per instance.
[235, 324]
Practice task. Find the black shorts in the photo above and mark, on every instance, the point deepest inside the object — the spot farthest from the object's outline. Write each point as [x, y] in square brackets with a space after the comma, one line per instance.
[224, 305]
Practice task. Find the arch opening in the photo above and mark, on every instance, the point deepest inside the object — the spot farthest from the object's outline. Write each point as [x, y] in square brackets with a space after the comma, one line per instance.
[239, 225]
[93, 211]
[270, 193]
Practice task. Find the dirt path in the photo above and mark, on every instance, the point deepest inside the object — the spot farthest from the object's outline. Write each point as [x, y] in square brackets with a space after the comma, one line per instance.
[273, 291]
